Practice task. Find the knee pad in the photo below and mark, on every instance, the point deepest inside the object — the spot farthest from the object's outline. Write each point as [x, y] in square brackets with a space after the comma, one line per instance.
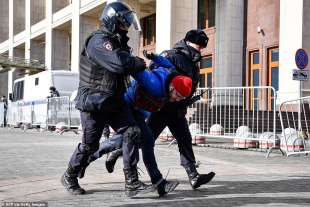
[132, 135]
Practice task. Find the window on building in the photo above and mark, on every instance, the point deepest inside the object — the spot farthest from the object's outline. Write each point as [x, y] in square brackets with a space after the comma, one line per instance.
[273, 73]
[18, 91]
[149, 29]
[206, 72]
[36, 81]
[206, 13]
[254, 79]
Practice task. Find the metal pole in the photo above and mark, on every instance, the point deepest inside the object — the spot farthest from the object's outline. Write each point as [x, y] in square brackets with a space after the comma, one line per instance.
[299, 107]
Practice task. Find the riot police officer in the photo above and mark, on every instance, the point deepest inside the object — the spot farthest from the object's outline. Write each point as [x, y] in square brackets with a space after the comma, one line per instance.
[105, 64]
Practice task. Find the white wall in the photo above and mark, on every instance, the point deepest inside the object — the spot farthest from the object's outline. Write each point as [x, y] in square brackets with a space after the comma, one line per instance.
[291, 30]
[173, 19]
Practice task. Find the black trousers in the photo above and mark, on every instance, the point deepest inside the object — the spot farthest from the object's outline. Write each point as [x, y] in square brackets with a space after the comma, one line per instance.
[93, 125]
[178, 126]
[147, 147]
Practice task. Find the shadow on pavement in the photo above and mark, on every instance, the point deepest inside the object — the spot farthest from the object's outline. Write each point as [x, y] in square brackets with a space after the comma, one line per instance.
[236, 191]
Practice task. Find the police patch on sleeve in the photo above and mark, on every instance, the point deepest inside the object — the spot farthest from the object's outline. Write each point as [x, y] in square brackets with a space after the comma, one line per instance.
[107, 45]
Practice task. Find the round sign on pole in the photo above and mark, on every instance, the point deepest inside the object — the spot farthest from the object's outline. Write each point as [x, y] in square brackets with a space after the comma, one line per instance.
[301, 59]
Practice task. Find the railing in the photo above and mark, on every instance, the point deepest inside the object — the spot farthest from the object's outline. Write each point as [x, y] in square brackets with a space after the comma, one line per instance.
[246, 115]
[45, 113]
[6, 61]
[295, 123]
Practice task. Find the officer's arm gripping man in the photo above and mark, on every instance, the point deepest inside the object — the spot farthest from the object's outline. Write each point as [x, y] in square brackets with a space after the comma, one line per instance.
[102, 51]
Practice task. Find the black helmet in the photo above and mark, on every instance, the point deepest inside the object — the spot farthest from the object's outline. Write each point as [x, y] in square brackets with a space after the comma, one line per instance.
[119, 14]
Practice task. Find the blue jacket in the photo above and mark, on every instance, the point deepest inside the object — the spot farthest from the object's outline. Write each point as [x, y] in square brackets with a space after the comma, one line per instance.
[149, 91]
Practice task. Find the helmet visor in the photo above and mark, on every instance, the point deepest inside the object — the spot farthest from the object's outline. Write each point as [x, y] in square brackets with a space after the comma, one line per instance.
[131, 18]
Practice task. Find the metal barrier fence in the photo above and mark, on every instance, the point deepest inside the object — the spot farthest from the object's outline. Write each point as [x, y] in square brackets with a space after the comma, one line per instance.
[245, 114]
[295, 123]
[46, 112]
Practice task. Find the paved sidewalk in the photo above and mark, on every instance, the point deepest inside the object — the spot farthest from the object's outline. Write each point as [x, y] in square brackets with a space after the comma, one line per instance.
[33, 162]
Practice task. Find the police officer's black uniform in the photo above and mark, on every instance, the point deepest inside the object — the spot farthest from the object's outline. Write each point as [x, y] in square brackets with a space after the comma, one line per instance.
[186, 59]
[105, 64]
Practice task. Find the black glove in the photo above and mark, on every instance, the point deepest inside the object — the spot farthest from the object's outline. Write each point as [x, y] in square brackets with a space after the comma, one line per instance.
[139, 64]
[193, 100]
[149, 56]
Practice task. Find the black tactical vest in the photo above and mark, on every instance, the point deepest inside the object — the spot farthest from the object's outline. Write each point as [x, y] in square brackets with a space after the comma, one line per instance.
[97, 78]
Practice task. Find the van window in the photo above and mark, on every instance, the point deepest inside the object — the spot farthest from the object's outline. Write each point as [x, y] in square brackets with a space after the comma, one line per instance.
[18, 92]
[36, 81]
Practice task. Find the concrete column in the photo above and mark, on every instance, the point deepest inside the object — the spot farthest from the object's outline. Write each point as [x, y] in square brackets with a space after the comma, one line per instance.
[75, 36]
[11, 35]
[4, 35]
[48, 35]
[291, 39]
[306, 41]
[27, 28]
[229, 43]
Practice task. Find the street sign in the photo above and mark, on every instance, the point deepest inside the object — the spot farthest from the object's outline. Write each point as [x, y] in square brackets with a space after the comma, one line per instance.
[300, 75]
[301, 59]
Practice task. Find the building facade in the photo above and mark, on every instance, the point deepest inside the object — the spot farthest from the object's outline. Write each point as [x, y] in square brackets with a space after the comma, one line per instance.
[252, 43]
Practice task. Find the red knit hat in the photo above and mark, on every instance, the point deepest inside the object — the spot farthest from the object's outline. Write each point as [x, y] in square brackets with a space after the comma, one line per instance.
[183, 85]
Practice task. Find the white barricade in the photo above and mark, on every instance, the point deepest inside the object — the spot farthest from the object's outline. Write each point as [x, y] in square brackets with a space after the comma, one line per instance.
[13, 114]
[295, 123]
[39, 112]
[45, 112]
[1, 114]
[239, 113]
[58, 111]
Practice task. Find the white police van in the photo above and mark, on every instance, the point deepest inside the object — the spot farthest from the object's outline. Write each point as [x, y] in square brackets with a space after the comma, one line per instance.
[29, 103]
[35, 87]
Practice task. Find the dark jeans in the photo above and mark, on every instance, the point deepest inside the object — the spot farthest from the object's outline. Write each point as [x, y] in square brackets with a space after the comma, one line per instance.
[178, 126]
[92, 125]
[147, 147]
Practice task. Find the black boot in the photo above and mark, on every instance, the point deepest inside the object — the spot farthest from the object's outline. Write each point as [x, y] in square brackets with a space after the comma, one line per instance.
[165, 187]
[70, 182]
[81, 172]
[133, 185]
[196, 179]
[111, 160]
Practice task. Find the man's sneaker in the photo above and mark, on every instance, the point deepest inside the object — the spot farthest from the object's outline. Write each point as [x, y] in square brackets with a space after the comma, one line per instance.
[133, 185]
[201, 179]
[166, 187]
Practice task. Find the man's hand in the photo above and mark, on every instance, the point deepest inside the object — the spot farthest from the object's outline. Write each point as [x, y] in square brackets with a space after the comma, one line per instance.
[149, 56]
[195, 98]
[139, 64]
